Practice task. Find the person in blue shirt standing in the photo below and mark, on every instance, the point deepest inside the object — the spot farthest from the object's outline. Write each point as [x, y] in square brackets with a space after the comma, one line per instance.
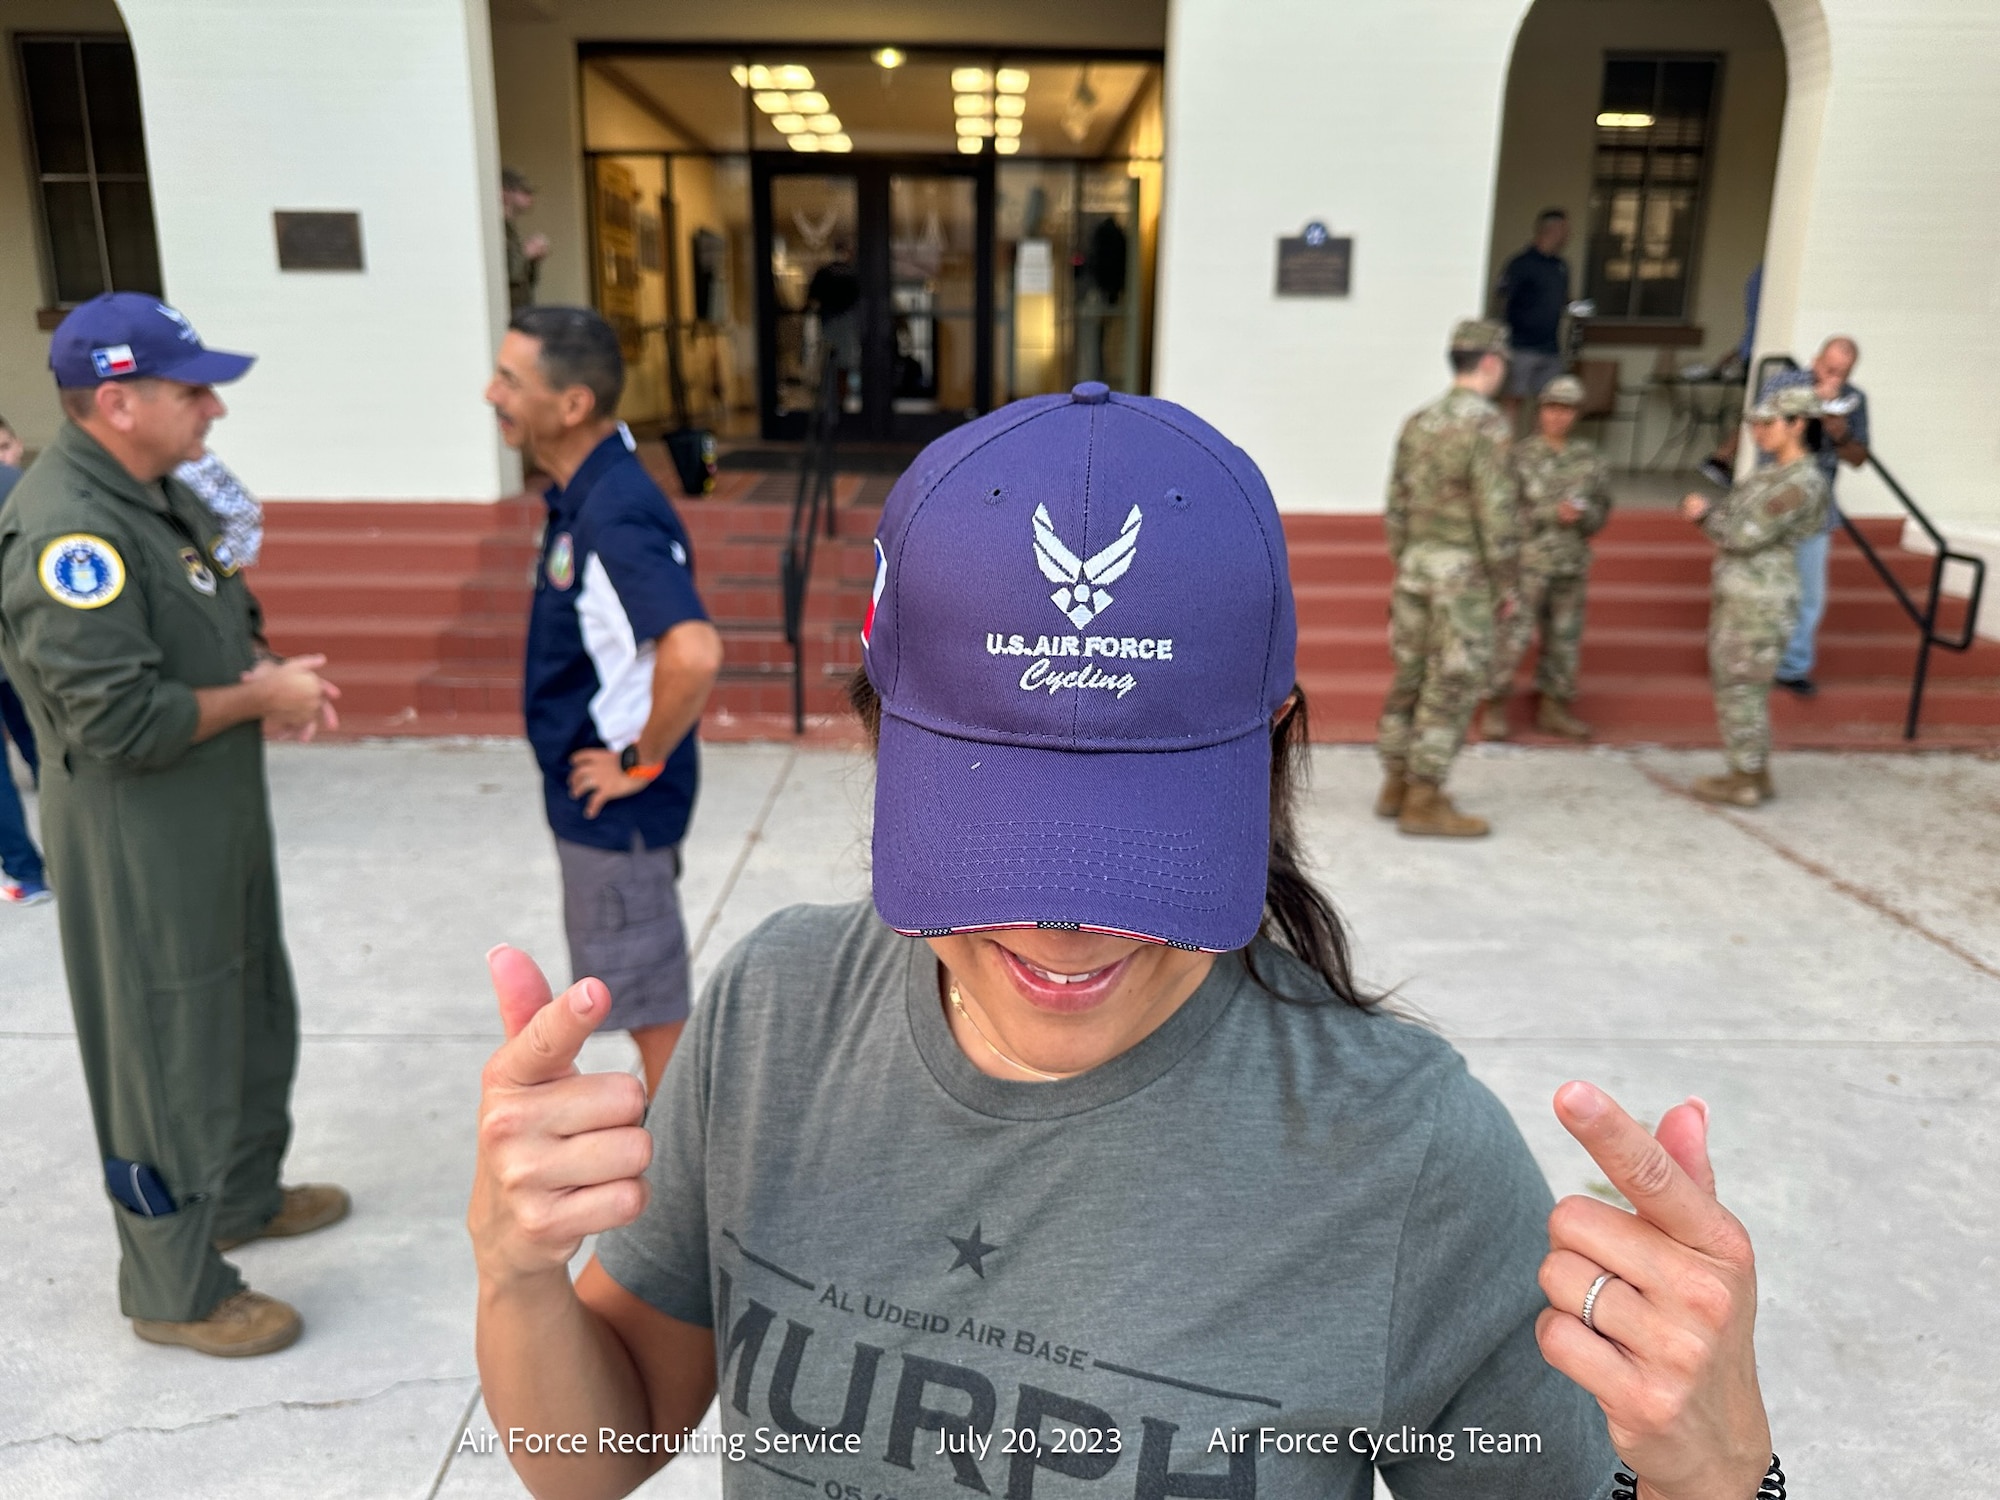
[1531, 297]
[1842, 439]
[21, 873]
[620, 660]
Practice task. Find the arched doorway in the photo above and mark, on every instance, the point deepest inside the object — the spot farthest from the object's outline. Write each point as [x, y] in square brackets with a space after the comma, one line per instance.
[1658, 129]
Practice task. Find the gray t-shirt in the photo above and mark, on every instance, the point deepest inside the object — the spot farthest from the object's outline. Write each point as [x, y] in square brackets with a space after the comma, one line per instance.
[1215, 1265]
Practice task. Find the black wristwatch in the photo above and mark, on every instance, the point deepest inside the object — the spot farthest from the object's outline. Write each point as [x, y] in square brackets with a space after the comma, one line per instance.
[628, 762]
[1773, 1488]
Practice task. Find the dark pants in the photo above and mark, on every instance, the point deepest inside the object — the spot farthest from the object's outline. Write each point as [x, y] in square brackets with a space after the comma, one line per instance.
[18, 857]
[167, 896]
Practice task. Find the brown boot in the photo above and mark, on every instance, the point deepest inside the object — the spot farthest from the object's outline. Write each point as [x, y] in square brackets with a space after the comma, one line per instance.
[310, 1206]
[1427, 810]
[240, 1325]
[1493, 721]
[1389, 801]
[1736, 789]
[1553, 717]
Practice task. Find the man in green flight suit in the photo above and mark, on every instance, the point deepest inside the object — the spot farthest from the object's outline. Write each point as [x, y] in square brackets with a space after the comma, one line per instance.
[1454, 537]
[139, 654]
[1565, 500]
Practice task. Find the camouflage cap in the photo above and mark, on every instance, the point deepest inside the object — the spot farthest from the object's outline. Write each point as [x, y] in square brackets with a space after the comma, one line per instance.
[1479, 336]
[1791, 401]
[1564, 390]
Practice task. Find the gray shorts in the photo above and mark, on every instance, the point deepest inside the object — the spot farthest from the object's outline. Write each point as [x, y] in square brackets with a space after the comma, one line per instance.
[622, 910]
[1529, 370]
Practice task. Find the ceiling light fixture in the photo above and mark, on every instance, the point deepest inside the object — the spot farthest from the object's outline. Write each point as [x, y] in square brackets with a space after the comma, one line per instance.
[1006, 145]
[1005, 128]
[792, 77]
[836, 143]
[969, 80]
[772, 102]
[805, 143]
[975, 128]
[824, 124]
[809, 103]
[971, 104]
[890, 57]
[1613, 119]
[1011, 80]
[742, 76]
[788, 124]
[968, 145]
[1010, 106]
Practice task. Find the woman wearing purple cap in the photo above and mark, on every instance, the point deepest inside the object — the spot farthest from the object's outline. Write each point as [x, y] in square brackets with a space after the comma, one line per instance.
[1078, 1155]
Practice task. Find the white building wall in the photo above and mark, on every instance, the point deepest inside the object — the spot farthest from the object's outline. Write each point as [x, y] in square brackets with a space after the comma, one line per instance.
[1384, 122]
[367, 385]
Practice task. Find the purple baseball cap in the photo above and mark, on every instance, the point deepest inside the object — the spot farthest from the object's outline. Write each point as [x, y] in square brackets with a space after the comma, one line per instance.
[1081, 627]
[131, 336]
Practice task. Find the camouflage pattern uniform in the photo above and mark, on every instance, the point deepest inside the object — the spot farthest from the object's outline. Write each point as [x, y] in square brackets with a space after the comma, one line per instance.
[1555, 562]
[1454, 536]
[1756, 597]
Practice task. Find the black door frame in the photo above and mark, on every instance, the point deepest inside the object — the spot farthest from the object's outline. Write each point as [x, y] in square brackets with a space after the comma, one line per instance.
[877, 421]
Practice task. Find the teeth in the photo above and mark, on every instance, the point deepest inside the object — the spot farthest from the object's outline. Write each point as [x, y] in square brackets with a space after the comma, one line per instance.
[1055, 978]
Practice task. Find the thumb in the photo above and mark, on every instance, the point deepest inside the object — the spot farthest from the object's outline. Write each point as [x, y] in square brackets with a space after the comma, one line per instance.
[519, 986]
[1683, 1130]
[544, 1036]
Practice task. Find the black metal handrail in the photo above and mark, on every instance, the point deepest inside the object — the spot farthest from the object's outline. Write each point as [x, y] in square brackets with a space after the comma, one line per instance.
[814, 499]
[1923, 615]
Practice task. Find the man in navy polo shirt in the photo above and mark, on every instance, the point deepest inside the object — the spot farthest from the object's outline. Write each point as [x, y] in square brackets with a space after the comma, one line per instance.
[621, 657]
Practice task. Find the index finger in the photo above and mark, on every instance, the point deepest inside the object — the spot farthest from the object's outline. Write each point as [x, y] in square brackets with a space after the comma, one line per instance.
[1643, 1170]
[543, 1035]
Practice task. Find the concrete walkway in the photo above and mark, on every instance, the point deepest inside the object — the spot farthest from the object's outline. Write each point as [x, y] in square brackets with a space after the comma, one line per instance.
[1826, 972]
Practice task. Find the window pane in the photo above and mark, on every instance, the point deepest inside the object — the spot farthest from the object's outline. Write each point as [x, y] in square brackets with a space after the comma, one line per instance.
[933, 237]
[111, 89]
[72, 240]
[1628, 86]
[55, 106]
[128, 237]
[813, 245]
[1665, 245]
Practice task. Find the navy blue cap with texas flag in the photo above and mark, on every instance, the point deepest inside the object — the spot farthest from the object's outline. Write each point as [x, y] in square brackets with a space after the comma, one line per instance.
[133, 336]
[1081, 629]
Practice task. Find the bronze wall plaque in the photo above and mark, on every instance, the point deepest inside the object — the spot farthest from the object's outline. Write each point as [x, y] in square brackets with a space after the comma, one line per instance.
[318, 241]
[1314, 264]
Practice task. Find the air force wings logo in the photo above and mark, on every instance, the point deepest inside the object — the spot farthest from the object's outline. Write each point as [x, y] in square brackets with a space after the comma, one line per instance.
[1081, 581]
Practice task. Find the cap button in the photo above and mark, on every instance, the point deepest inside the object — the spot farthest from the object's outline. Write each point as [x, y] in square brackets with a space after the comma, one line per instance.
[1091, 393]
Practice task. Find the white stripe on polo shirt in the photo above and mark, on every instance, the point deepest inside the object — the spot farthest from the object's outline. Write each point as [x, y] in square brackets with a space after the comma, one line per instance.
[624, 695]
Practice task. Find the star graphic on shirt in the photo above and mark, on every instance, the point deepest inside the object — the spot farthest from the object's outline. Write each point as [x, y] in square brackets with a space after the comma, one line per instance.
[972, 1251]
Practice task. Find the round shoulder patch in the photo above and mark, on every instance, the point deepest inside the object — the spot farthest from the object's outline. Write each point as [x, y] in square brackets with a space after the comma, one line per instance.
[82, 571]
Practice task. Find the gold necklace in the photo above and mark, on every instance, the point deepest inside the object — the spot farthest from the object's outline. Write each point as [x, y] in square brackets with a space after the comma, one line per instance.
[958, 1004]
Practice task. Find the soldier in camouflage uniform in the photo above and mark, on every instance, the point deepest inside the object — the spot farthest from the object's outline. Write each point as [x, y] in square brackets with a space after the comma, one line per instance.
[1756, 580]
[1454, 537]
[1565, 499]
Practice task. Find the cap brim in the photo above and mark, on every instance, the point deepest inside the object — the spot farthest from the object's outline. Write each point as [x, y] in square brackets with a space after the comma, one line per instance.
[211, 367]
[1171, 846]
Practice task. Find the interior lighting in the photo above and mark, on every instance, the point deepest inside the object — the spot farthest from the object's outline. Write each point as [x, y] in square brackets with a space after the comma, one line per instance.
[792, 77]
[788, 124]
[974, 128]
[772, 102]
[1006, 129]
[824, 124]
[810, 103]
[971, 104]
[1010, 106]
[836, 143]
[742, 76]
[1007, 145]
[970, 81]
[1011, 80]
[968, 145]
[1612, 119]
[889, 57]
[804, 142]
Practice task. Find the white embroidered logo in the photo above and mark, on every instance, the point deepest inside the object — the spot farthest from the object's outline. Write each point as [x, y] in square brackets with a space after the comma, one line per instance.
[1081, 596]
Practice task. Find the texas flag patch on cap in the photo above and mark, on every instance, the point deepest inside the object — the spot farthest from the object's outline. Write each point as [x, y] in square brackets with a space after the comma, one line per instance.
[113, 361]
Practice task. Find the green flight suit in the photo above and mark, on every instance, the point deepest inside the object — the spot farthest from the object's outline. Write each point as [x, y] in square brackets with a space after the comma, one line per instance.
[117, 600]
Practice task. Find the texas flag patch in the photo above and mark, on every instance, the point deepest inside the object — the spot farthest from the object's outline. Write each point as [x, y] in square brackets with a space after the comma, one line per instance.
[115, 360]
[875, 597]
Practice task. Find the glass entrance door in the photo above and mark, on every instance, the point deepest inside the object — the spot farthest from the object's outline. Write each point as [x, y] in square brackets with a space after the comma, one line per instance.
[884, 267]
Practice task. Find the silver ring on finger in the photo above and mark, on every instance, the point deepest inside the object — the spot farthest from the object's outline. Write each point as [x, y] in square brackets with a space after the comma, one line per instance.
[1590, 1299]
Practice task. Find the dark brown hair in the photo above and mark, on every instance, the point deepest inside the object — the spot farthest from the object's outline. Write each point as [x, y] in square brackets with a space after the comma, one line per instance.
[1298, 916]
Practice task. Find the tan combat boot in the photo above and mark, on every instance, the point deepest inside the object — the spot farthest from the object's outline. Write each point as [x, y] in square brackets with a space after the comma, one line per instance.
[1389, 801]
[1493, 721]
[310, 1206]
[1736, 789]
[1553, 717]
[238, 1326]
[1427, 810]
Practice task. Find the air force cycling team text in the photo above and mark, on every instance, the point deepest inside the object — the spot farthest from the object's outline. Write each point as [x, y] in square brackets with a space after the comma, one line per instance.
[1044, 676]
